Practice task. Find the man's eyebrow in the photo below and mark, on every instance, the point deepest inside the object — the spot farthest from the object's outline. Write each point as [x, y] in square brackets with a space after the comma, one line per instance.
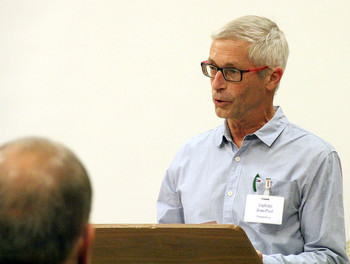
[227, 65]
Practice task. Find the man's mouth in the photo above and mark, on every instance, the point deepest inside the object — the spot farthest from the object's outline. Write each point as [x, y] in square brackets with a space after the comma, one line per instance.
[219, 102]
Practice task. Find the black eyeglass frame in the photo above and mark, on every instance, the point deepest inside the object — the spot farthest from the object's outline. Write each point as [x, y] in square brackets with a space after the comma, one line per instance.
[204, 64]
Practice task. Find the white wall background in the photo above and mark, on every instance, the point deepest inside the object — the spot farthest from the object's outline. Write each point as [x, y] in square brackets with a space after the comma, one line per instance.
[120, 83]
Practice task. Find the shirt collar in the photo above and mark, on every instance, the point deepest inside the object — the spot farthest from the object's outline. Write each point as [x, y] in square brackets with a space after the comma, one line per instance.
[267, 134]
[223, 135]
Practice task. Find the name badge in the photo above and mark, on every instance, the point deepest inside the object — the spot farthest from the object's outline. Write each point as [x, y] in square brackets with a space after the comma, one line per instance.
[264, 209]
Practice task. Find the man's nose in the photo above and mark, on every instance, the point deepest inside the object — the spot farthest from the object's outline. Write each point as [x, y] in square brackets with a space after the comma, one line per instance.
[218, 82]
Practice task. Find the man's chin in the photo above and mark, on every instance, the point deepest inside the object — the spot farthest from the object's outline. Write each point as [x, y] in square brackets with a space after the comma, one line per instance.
[220, 113]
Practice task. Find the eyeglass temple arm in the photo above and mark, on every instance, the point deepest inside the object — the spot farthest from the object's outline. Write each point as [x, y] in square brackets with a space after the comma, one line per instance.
[256, 69]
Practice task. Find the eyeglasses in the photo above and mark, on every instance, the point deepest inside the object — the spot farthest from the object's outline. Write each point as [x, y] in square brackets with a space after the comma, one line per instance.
[230, 74]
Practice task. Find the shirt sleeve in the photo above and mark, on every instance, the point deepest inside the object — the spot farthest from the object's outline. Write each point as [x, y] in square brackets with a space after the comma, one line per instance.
[321, 217]
[169, 207]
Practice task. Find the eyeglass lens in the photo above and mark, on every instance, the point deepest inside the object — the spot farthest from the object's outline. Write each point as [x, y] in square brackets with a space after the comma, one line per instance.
[229, 74]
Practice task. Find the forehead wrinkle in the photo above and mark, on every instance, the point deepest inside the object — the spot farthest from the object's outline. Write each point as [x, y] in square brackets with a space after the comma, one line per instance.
[231, 52]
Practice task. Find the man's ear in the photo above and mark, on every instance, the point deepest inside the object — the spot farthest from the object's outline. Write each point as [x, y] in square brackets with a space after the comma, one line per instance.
[275, 78]
[86, 243]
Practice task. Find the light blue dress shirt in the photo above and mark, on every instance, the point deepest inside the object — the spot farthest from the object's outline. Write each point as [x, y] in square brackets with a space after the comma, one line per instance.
[210, 178]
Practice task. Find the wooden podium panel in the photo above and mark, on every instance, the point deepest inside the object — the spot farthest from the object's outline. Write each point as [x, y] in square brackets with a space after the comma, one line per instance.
[172, 243]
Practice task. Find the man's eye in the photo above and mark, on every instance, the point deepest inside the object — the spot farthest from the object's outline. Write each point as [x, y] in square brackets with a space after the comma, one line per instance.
[212, 69]
[231, 72]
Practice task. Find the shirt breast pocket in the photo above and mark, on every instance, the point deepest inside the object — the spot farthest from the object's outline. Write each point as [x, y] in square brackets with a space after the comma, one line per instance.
[288, 190]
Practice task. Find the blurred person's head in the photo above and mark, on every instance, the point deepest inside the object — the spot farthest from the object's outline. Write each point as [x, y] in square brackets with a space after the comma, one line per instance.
[45, 200]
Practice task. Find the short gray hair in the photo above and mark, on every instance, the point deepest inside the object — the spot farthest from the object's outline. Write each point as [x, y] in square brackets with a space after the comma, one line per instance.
[45, 201]
[268, 45]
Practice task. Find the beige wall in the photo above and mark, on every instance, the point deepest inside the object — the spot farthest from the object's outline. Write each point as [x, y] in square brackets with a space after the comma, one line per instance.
[120, 82]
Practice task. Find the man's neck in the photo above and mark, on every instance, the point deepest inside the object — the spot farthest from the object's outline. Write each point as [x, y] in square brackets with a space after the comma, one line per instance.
[239, 128]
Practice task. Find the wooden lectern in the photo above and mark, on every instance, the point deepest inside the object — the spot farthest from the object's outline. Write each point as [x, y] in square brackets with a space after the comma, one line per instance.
[172, 243]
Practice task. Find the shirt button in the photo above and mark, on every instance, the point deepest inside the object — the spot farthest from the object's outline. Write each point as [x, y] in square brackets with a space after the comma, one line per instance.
[237, 159]
[230, 193]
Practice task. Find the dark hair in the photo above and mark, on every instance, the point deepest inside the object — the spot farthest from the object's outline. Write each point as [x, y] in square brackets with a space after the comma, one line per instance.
[45, 200]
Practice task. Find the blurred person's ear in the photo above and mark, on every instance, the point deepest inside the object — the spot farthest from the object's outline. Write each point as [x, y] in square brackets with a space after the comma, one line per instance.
[85, 244]
[81, 251]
